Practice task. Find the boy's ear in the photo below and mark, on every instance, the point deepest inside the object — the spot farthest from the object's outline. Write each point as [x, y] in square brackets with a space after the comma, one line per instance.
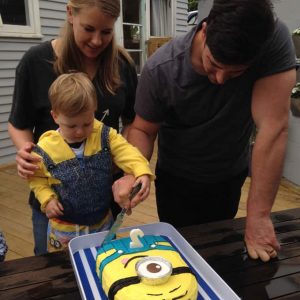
[54, 116]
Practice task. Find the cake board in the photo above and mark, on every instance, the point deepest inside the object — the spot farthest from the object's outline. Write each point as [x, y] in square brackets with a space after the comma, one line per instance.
[83, 251]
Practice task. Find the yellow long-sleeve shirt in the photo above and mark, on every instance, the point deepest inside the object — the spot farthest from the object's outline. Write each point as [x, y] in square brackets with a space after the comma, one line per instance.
[124, 155]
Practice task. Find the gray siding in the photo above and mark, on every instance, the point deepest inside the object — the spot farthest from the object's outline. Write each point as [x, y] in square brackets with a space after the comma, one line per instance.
[287, 10]
[52, 15]
[181, 17]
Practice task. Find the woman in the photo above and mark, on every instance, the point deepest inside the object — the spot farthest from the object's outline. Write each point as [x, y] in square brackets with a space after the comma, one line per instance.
[86, 44]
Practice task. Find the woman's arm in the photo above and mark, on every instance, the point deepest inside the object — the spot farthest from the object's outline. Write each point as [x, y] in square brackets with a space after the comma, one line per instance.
[23, 140]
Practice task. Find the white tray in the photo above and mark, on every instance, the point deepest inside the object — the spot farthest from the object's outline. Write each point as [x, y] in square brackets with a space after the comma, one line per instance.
[83, 250]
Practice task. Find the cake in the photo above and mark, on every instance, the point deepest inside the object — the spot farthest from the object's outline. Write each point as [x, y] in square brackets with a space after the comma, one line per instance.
[144, 267]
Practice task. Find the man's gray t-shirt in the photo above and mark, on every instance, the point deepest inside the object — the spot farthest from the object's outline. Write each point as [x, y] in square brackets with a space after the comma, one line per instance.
[205, 128]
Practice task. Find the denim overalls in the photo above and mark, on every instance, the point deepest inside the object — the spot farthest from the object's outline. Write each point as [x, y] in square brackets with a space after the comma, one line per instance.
[85, 188]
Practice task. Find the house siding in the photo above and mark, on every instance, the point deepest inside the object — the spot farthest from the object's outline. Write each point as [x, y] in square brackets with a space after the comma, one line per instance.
[52, 15]
[181, 17]
[289, 12]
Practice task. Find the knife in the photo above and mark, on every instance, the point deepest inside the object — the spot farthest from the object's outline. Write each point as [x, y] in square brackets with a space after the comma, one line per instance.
[119, 220]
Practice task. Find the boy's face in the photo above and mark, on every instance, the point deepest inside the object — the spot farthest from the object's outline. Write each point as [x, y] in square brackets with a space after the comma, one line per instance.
[75, 129]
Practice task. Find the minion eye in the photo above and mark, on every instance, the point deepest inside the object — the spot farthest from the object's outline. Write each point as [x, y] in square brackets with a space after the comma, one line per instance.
[153, 270]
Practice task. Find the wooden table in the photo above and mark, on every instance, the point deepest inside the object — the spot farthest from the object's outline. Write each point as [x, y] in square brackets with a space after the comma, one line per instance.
[221, 243]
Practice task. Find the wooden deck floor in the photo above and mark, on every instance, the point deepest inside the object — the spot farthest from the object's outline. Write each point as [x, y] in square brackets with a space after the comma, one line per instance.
[15, 213]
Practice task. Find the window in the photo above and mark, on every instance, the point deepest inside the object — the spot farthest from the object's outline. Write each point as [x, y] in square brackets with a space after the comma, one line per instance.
[20, 18]
[161, 18]
[133, 23]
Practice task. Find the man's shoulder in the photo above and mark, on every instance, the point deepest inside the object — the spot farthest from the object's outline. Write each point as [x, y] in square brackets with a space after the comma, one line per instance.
[277, 54]
[280, 43]
[170, 53]
[281, 30]
[280, 24]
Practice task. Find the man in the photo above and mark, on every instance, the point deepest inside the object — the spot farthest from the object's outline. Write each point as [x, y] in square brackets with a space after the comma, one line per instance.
[203, 93]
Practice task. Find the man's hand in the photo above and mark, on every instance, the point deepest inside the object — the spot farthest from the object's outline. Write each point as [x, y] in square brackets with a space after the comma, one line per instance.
[121, 190]
[26, 162]
[144, 191]
[54, 209]
[123, 187]
[260, 238]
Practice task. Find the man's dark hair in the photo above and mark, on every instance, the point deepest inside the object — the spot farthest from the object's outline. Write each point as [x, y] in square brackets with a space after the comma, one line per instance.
[237, 29]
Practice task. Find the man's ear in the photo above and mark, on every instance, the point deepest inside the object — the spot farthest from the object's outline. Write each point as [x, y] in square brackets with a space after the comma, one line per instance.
[203, 32]
[69, 14]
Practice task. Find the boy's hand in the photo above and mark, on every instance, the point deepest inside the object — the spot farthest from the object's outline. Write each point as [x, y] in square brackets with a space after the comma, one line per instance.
[123, 187]
[54, 209]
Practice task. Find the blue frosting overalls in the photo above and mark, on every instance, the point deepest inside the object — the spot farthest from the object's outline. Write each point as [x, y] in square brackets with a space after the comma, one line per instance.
[85, 188]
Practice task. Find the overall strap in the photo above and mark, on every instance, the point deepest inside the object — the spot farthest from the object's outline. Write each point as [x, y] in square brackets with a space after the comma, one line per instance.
[48, 162]
[105, 138]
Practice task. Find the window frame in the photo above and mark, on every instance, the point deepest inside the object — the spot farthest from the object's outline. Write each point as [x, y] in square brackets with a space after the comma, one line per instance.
[29, 31]
[142, 26]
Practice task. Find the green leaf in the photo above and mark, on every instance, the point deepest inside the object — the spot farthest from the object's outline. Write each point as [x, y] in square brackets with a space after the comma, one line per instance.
[296, 31]
[296, 91]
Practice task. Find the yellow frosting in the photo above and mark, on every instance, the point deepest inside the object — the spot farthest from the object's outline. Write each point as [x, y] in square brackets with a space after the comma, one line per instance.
[178, 286]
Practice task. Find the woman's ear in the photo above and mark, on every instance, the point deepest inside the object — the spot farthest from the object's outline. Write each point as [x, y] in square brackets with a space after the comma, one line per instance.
[69, 14]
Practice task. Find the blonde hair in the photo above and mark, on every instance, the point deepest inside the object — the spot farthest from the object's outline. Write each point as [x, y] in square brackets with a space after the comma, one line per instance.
[70, 57]
[72, 94]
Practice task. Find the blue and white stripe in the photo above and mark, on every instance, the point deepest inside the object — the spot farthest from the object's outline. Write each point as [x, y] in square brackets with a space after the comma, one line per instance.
[85, 263]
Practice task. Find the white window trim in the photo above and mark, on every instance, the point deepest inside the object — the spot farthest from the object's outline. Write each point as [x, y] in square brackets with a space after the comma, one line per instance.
[119, 31]
[31, 31]
[147, 19]
[173, 13]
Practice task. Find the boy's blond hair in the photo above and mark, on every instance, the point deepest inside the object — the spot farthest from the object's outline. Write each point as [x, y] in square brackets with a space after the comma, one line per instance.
[72, 94]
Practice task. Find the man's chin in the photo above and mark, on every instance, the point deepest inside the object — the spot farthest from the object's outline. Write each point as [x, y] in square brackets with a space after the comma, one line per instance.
[212, 80]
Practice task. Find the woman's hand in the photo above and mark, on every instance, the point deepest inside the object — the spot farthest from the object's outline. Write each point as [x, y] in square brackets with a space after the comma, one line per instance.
[54, 209]
[26, 162]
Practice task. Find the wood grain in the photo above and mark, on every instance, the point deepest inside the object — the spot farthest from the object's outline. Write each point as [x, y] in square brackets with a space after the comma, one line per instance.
[15, 213]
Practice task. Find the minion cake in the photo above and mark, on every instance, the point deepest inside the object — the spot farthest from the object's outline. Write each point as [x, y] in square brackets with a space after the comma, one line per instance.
[144, 267]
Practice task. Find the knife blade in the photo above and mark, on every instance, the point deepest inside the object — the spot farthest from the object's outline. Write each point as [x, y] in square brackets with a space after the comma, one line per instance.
[120, 217]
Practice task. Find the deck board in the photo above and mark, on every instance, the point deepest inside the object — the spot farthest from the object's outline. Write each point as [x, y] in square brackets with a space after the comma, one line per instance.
[15, 213]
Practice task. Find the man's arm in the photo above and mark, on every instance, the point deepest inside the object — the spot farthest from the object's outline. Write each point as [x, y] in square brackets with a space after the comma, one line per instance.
[270, 111]
[142, 134]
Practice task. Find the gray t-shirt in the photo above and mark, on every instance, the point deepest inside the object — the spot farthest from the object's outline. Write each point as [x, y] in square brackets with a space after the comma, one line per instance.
[205, 128]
